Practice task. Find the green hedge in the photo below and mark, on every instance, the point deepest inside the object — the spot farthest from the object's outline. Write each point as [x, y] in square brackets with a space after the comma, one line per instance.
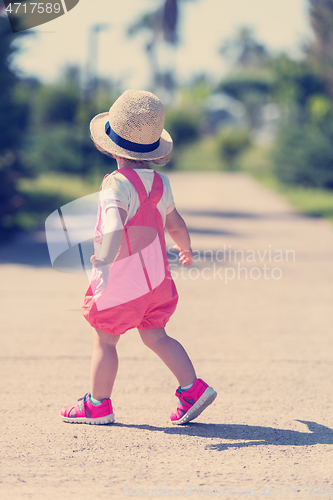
[304, 156]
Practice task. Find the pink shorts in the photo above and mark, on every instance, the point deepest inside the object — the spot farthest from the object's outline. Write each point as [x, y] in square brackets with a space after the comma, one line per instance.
[152, 310]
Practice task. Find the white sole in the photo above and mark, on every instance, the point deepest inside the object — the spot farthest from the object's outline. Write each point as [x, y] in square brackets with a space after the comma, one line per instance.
[205, 400]
[109, 419]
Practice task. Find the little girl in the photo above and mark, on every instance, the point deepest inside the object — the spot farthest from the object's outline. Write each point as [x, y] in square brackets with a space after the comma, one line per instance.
[131, 284]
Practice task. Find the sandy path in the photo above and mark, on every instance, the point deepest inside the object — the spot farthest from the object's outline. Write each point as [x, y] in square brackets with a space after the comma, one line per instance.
[264, 343]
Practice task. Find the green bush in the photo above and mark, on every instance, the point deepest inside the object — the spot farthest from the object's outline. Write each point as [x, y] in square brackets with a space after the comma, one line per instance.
[182, 125]
[59, 106]
[231, 144]
[63, 149]
[13, 123]
[304, 156]
[54, 149]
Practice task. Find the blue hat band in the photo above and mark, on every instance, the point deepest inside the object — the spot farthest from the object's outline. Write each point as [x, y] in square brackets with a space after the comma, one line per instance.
[131, 146]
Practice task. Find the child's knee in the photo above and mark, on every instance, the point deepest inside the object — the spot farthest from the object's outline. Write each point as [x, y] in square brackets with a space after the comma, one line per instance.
[105, 338]
[151, 337]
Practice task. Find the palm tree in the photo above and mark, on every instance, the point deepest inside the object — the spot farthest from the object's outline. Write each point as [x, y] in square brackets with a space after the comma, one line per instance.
[320, 51]
[162, 24]
[249, 81]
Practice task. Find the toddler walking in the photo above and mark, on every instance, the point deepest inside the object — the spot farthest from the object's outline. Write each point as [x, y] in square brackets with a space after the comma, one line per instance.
[131, 284]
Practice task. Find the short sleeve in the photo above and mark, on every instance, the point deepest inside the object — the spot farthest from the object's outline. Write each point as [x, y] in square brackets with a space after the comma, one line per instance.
[112, 221]
[115, 193]
[169, 201]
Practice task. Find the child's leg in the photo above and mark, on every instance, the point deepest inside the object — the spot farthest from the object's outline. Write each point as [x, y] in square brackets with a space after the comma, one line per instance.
[171, 353]
[104, 364]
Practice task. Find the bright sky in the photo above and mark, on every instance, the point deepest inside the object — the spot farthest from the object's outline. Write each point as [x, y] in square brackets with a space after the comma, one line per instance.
[280, 24]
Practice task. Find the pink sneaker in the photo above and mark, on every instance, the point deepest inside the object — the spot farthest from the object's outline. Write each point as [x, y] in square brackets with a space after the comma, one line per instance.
[86, 412]
[192, 402]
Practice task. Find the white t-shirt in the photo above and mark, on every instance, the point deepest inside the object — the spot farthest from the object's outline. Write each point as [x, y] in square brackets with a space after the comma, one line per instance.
[118, 191]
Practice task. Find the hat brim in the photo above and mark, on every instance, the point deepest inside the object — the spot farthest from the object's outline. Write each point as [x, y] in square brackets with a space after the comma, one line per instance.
[97, 130]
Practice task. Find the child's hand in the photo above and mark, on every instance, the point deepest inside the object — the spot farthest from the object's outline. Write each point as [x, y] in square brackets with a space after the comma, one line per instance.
[102, 274]
[97, 262]
[185, 256]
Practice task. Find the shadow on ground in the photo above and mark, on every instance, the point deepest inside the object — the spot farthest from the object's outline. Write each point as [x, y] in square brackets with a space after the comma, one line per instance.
[221, 214]
[242, 215]
[29, 249]
[210, 231]
[251, 435]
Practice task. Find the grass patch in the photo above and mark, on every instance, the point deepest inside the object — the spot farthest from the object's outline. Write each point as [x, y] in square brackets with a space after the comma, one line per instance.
[68, 187]
[310, 201]
[48, 192]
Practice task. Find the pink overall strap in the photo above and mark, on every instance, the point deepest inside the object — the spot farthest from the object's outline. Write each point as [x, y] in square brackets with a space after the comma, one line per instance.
[134, 179]
[156, 192]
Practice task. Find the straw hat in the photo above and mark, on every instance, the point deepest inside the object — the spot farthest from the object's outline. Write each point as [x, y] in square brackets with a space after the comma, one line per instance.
[133, 128]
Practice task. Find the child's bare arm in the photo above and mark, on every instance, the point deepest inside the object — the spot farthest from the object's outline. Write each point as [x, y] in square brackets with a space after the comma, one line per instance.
[176, 227]
[109, 248]
[112, 238]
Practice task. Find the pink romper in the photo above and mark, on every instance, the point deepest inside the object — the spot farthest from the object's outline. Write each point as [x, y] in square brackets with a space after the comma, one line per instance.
[141, 292]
